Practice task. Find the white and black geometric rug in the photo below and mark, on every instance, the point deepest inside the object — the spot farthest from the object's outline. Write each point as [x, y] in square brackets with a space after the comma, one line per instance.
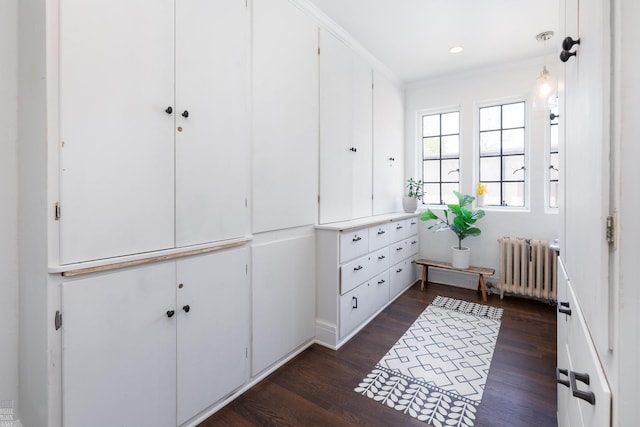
[437, 371]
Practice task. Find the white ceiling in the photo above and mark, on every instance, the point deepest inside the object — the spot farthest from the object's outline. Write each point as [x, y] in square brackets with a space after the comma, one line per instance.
[412, 37]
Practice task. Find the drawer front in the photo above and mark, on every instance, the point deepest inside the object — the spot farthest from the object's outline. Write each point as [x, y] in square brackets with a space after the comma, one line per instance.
[380, 261]
[399, 251]
[413, 245]
[353, 244]
[359, 304]
[379, 236]
[401, 275]
[412, 226]
[398, 230]
[355, 272]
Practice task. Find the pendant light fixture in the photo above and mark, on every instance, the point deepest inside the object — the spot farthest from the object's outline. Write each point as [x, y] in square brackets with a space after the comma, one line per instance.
[545, 83]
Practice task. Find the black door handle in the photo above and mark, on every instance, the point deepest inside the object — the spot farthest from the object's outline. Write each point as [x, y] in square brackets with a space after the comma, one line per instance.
[559, 380]
[186, 308]
[589, 396]
[185, 114]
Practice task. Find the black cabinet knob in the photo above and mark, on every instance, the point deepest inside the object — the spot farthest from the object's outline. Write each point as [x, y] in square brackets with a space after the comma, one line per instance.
[565, 55]
[185, 114]
[170, 313]
[354, 149]
[186, 308]
[168, 110]
[568, 43]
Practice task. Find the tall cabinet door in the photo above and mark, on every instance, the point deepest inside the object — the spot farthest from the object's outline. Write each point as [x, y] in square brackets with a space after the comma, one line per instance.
[118, 348]
[346, 116]
[585, 208]
[388, 146]
[213, 328]
[116, 140]
[212, 120]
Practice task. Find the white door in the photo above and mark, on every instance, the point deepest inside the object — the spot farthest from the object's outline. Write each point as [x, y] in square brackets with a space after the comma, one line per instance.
[212, 120]
[285, 117]
[118, 348]
[388, 146]
[345, 132]
[585, 208]
[116, 140]
[213, 313]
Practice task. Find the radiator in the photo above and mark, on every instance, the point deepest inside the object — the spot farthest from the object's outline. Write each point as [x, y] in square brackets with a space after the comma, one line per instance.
[527, 267]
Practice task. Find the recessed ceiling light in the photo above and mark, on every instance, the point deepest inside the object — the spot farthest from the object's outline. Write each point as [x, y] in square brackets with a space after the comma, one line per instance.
[456, 49]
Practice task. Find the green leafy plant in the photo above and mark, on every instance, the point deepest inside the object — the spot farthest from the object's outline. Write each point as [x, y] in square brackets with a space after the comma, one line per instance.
[457, 218]
[415, 188]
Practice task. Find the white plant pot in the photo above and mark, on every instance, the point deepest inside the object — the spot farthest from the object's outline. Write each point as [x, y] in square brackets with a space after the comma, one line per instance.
[409, 204]
[460, 258]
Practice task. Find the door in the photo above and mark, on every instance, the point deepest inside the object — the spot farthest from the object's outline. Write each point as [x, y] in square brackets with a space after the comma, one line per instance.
[118, 348]
[585, 153]
[213, 313]
[345, 132]
[212, 120]
[116, 140]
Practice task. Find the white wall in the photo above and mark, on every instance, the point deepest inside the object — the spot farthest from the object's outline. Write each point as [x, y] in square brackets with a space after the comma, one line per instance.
[466, 91]
[9, 197]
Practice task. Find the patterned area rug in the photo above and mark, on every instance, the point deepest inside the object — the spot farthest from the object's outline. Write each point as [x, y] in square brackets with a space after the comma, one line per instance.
[437, 371]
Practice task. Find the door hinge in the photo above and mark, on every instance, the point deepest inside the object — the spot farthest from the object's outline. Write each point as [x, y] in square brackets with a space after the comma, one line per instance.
[57, 321]
[57, 212]
[611, 232]
[318, 50]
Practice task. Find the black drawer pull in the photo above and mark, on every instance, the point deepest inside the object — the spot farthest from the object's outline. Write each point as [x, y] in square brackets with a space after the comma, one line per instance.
[414, 242]
[399, 249]
[186, 308]
[381, 257]
[354, 301]
[563, 308]
[399, 227]
[358, 268]
[380, 282]
[399, 270]
[357, 238]
[170, 313]
[560, 380]
[588, 396]
[381, 231]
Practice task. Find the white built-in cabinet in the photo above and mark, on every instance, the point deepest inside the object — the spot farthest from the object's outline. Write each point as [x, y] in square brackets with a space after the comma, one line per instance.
[153, 125]
[388, 145]
[160, 342]
[284, 117]
[362, 266]
[346, 131]
[586, 318]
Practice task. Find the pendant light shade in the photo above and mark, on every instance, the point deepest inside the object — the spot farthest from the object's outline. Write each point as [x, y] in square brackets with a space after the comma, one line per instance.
[545, 87]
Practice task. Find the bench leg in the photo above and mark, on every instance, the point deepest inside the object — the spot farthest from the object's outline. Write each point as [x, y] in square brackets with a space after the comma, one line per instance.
[482, 288]
[423, 281]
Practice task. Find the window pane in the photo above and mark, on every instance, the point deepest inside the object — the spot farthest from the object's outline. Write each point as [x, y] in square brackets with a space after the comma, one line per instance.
[431, 171]
[431, 148]
[431, 194]
[490, 169]
[513, 193]
[451, 145]
[513, 115]
[554, 138]
[490, 118]
[553, 167]
[431, 125]
[492, 196]
[450, 123]
[513, 168]
[490, 143]
[450, 170]
[553, 194]
[447, 193]
[513, 141]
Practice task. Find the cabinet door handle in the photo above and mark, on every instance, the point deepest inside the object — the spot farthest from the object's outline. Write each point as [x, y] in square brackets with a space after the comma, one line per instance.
[393, 159]
[185, 114]
[399, 270]
[169, 110]
[381, 257]
[354, 301]
[564, 308]
[356, 238]
[413, 223]
[381, 231]
[354, 149]
[560, 380]
[414, 242]
[399, 227]
[589, 396]
[398, 249]
[170, 313]
[358, 268]
[186, 308]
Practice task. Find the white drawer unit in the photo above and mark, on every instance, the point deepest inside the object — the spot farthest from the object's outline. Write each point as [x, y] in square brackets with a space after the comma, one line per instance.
[355, 274]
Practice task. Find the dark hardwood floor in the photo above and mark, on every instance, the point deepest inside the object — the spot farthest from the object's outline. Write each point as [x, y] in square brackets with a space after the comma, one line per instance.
[316, 388]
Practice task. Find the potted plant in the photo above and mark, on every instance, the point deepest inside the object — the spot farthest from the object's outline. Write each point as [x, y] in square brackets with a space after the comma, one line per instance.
[415, 193]
[459, 219]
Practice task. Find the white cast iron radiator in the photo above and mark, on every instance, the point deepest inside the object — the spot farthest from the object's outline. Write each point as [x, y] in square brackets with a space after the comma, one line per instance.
[527, 267]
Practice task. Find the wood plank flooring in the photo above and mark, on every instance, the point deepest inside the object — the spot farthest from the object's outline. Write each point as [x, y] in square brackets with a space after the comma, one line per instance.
[316, 388]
